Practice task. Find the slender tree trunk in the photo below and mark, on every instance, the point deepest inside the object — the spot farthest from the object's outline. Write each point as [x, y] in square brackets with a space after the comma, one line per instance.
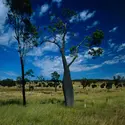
[83, 86]
[67, 84]
[23, 81]
[55, 87]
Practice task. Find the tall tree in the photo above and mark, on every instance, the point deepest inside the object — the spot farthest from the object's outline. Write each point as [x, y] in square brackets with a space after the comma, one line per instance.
[55, 78]
[84, 82]
[61, 26]
[19, 18]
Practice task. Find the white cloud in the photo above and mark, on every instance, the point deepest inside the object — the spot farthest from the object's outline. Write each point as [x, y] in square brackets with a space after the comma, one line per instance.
[79, 66]
[7, 38]
[59, 38]
[110, 62]
[95, 23]
[111, 44]
[121, 47]
[110, 40]
[9, 73]
[115, 60]
[82, 16]
[120, 74]
[35, 52]
[113, 30]
[3, 14]
[39, 51]
[48, 64]
[58, 2]
[44, 9]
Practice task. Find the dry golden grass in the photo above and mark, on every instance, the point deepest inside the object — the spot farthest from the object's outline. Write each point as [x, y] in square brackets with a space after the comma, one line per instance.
[45, 107]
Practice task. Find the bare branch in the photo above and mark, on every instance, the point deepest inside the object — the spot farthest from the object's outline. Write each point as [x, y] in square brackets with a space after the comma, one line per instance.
[75, 57]
[54, 42]
[63, 38]
[72, 61]
[77, 47]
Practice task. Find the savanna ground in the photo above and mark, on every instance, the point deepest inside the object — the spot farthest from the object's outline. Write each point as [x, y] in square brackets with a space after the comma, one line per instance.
[45, 107]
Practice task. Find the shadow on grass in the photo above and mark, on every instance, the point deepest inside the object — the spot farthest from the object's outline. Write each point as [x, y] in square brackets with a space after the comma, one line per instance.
[52, 101]
[10, 102]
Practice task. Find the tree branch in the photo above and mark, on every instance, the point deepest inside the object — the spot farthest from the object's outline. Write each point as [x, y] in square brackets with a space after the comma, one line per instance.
[63, 38]
[77, 47]
[54, 41]
[72, 61]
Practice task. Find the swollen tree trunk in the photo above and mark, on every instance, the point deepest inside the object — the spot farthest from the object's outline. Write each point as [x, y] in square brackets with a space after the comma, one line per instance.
[67, 84]
[23, 81]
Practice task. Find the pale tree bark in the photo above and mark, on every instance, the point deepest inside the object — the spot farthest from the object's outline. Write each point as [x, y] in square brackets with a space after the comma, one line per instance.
[67, 84]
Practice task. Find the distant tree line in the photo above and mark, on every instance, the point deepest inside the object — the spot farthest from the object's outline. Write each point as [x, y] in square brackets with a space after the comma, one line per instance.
[117, 81]
[8, 82]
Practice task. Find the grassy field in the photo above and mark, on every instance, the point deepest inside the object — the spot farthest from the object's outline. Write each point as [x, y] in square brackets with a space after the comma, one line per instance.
[45, 107]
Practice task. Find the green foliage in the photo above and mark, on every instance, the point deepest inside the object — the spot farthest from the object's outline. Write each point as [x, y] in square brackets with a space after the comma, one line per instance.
[95, 41]
[19, 7]
[57, 26]
[29, 73]
[58, 23]
[19, 17]
[73, 51]
[68, 13]
[55, 76]
[97, 37]
[91, 42]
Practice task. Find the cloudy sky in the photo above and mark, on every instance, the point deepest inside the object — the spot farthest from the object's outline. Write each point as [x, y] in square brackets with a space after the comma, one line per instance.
[106, 15]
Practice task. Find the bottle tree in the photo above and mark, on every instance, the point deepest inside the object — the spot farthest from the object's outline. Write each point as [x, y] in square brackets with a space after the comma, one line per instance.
[58, 29]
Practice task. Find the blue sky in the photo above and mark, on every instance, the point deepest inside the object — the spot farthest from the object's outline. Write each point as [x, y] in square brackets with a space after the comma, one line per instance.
[94, 14]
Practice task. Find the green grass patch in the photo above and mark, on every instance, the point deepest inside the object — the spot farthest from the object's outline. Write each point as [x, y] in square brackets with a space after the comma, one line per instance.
[92, 107]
